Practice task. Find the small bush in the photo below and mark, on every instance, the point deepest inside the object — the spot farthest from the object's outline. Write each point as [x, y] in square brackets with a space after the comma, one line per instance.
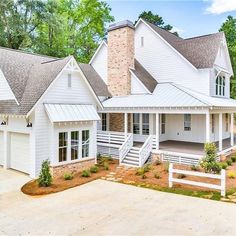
[231, 174]
[93, 169]
[224, 165]
[140, 171]
[233, 158]
[86, 173]
[106, 166]
[68, 176]
[144, 176]
[45, 177]
[229, 162]
[181, 176]
[195, 168]
[147, 167]
[157, 176]
[210, 149]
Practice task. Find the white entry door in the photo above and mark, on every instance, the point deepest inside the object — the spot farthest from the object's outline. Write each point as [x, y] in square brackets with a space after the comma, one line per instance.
[19, 152]
[1, 148]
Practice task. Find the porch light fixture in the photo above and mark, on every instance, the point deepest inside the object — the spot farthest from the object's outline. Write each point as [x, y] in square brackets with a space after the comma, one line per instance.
[4, 123]
[29, 124]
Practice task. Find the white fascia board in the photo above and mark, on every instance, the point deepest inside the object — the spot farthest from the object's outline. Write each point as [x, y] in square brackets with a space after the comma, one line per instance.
[140, 82]
[140, 20]
[54, 81]
[97, 51]
[9, 87]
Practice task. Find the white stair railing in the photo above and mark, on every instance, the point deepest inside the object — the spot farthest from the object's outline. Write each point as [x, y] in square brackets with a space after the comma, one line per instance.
[145, 151]
[126, 146]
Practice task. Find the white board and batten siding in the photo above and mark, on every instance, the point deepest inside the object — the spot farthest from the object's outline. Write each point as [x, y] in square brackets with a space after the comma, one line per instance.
[1, 149]
[58, 93]
[99, 62]
[5, 90]
[137, 87]
[165, 64]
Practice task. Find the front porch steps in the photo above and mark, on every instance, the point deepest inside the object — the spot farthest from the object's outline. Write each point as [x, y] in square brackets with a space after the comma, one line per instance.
[132, 158]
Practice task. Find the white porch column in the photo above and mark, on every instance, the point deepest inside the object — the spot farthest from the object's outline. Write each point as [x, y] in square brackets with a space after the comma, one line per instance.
[232, 129]
[157, 131]
[220, 131]
[207, 127]
[126, 125]
[5, 149]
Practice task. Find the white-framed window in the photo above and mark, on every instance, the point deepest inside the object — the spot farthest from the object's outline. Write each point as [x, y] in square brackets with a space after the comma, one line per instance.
[136, 123]
[220, 85]
[69, 80]
[104, 121]
[85, 143]
[142, 41]
[226, 122]
[212, 123]
[63, 145]
[187, 122]
[74, 144]
[145, 124]
[163, 123]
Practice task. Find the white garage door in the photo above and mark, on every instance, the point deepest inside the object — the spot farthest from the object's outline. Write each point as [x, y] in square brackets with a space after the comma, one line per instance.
[1, 148]
[19, 152]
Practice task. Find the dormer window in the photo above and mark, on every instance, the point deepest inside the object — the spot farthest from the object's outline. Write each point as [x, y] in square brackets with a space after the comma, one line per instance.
[69, 80]
[220, 85]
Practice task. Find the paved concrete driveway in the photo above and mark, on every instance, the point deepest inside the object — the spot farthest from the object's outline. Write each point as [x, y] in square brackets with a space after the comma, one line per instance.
[106, 208]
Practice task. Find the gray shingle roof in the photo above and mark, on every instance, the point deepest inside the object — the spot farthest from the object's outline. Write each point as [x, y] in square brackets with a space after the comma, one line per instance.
[28, 75]
[199, 51]
[96, 82]
[144, 76]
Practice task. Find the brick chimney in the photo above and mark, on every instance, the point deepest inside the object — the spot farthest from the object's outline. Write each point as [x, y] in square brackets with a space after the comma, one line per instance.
[120, 57]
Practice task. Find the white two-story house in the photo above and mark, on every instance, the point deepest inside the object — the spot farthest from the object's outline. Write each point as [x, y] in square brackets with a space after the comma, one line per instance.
[169, 95]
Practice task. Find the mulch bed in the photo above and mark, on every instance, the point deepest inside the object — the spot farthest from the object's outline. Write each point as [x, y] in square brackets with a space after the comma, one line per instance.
[32, 188]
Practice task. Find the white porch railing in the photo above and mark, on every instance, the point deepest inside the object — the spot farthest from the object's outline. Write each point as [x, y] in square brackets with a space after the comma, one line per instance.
[221, 177]
[145, 150]
[126, 146]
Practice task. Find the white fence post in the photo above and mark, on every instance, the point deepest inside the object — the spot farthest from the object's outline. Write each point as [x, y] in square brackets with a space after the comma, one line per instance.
[222, 183]
[170, 175]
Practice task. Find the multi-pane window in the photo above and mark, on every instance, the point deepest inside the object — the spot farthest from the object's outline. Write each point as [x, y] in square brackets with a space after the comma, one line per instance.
[163, 123]
[212, 123]
[63, 142]
[226, 122]
[74, 145]
[69, 80]
[104, 121]
[220, 85]
[187, 122]
[85, 143]
[145, 124]
[136, 123]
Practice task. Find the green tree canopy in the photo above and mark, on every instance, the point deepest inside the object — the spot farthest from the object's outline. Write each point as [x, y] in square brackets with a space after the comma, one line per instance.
[54, 27]
[156, 20]
[229, 28]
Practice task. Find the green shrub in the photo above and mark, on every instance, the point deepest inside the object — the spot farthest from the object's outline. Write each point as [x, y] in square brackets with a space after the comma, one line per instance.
[144, 176]
[140, 171]
[106, 166]
[229, 162]
[231, 174]
[45, 177]
[102, 159]
[209, 163]
[68, 176]
[157, 176]
[181, 176]
[94, 169]
[86, 173]
[195, 168]
[233, 158]
[224, 165]
[147, 167]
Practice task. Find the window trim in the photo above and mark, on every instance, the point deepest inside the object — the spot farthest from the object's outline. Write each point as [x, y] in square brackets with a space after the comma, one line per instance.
[136, 123]
[220, 85]
[146, 123]
[85, 143]
[163, 124]
[63, 147]
[187, 123]
[74, 145]
[104, 118]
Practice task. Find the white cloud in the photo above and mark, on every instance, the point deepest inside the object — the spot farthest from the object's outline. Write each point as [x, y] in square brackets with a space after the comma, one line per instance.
[221, 6]
[176, 29]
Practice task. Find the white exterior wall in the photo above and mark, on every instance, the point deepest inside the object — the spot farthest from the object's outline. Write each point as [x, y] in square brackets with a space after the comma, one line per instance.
[5, 90]
[136, 86]
[99, 63]
[166, 65]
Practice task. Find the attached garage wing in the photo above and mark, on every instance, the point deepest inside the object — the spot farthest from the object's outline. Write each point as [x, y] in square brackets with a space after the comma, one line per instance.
[20, 152]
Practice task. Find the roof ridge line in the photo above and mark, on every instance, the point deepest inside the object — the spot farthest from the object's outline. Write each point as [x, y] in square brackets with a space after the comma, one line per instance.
[191, 95]
[204, 35]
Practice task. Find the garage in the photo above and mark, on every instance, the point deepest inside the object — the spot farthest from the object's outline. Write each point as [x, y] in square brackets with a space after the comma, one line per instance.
[20, 152]
[1, 148]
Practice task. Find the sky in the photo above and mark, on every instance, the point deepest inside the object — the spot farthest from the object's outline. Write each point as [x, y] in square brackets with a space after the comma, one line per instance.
[188, 17]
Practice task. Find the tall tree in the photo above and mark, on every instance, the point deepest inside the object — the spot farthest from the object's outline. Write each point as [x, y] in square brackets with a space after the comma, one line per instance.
[18, 21]
[156, 20]
[229, 28]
